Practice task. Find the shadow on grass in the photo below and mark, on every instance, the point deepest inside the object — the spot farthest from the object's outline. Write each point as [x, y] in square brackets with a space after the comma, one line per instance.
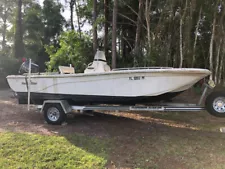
[133, 143]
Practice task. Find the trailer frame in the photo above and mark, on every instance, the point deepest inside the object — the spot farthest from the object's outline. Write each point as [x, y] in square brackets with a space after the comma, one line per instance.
[62, 107]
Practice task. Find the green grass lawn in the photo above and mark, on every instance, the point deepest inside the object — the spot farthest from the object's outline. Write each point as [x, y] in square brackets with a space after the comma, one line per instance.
[19, 150]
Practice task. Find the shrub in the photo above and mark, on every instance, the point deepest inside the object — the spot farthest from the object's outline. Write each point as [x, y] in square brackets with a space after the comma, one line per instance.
[8, 66]
[73, 50]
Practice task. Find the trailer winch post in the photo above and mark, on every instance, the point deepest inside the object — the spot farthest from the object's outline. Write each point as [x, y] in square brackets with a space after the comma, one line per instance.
[211, 85]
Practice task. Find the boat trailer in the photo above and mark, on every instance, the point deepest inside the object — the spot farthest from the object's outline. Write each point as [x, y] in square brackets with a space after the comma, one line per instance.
[55, 111]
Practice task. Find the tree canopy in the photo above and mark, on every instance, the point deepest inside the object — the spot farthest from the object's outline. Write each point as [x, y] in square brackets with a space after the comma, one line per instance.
[177, 33]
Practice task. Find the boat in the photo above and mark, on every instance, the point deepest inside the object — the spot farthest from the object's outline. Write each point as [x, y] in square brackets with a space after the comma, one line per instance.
[99, 84]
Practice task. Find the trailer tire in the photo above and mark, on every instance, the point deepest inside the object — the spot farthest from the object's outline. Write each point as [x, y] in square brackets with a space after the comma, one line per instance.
[215, 103]
[54, 114]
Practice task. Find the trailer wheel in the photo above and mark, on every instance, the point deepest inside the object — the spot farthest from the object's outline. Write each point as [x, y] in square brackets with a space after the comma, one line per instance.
[215, 103]
[54, 114]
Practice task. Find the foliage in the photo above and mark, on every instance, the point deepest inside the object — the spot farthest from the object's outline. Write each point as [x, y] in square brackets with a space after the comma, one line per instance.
[73, 50]
[34, 31]
[174, 31]
[36, 151]
[41, 25]
[6, 14]
[86, 10]
[9, 65]
[18, 43]
[53, 20]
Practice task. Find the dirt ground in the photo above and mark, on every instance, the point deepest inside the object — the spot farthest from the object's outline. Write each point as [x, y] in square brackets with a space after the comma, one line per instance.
[130, 132]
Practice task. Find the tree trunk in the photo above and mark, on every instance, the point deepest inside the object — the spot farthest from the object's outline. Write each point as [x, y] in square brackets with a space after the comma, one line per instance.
[106, 11]
[220, 54]
[181, 36]
[4, 19]
[114, 28]
[168, 50]
[221, 68]
[138, 30]
[211, 46]
[123, 45]
[169, 59]
[4, 34]
[95, 41]
[18, 44]
[196, 38]
[148, 5]
[217, 62]
[189, 32]
[78, 17]
[181, 45]
[72, 3]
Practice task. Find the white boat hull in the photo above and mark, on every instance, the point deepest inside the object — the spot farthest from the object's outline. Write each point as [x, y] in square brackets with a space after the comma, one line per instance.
[116, 85]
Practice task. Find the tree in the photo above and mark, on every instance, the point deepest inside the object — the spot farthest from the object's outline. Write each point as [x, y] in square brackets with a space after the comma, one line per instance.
[114, 28]
[53, 22]
[106, 13]
[139, 26]
[34, 28]
[18, 43]
[94, 26]
[160, 33]
[219, 41]
[72, 3]
[6, 12]
[182, 17]
[212, 43]
[196, 38]
[148, 5]
[72, 50]
[78, 16]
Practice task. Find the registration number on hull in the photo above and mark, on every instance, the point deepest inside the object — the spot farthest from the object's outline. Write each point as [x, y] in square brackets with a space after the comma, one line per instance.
[137, 78]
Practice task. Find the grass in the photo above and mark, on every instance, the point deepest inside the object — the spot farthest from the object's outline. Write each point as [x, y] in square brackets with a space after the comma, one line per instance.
[20, 150]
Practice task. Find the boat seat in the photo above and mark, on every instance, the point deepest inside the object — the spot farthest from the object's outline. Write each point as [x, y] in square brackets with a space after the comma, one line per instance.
[66, 70]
